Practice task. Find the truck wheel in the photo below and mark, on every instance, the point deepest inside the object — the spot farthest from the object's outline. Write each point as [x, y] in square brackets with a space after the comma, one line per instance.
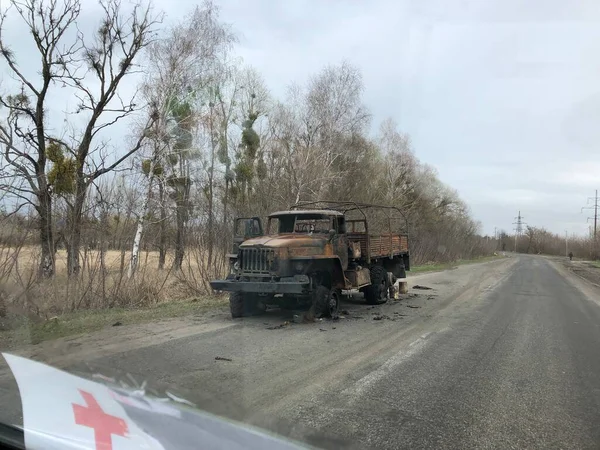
[326, 302]
[378, 291]
[242, 305]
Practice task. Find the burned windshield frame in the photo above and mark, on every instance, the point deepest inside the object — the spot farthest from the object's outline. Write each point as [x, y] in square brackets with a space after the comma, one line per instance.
[287, 223]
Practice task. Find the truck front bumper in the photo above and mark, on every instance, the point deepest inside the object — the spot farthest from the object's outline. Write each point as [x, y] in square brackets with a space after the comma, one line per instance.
[292, 285]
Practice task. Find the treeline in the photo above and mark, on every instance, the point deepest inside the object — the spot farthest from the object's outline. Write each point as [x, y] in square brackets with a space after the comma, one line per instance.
[208, 142]
[538, 240]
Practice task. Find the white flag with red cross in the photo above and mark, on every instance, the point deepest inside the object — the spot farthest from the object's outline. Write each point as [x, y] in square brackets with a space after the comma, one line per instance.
[62, 411]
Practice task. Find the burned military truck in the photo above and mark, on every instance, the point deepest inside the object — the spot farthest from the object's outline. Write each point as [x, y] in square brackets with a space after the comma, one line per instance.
[312, 252]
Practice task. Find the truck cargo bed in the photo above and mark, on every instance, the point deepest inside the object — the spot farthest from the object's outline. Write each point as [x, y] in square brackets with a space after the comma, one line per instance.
[380, 245]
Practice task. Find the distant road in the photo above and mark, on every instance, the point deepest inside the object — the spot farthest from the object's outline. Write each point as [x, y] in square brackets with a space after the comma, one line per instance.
[504, 354]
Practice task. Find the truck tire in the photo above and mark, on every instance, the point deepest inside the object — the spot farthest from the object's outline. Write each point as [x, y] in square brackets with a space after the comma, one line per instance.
[378, 291]
[243, 305]
[326, 302]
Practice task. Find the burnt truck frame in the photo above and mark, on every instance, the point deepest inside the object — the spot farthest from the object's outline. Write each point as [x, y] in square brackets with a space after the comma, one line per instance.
[316, 253]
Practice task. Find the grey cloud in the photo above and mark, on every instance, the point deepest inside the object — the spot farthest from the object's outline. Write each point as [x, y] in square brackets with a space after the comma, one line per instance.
[501, 96]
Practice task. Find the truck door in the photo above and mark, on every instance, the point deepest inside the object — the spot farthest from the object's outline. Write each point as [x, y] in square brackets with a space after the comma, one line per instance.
[340, 241]
[246, 228]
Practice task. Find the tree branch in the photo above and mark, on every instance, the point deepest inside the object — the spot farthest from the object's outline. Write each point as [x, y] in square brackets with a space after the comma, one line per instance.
[134, 149]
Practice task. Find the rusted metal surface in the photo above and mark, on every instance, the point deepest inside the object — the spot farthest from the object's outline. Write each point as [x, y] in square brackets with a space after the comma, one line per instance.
[318, 244]
[286, 240]
[339, 245]
[348, 206]
[355, 250]
[380, 245]
[315, 212]
[371, 245]
[358, 278]
[321, 250]
[257, 260]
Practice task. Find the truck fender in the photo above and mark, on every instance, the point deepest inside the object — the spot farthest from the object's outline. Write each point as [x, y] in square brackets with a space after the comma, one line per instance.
[338, 280]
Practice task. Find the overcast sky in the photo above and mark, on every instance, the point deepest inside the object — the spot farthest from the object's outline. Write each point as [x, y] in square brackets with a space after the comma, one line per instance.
[502, 97]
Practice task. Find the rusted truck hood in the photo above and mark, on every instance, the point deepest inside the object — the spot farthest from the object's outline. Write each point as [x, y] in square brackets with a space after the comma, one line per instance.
[286, 240]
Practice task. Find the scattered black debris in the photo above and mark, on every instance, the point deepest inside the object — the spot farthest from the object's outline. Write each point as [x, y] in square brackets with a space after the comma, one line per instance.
[117, 324]
[381, 317]
[220, 358]
[413, 295]
[278, 327]
[430, 297]
[345, 312]
[418, 286]
[321, 329]
[333, 328]
[412, 306]
[357, 317]
[399, 314]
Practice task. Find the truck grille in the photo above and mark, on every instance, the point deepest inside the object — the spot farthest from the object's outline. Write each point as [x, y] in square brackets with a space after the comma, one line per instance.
[257, 260]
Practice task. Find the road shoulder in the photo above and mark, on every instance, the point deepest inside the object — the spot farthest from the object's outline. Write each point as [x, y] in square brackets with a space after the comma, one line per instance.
[579, 277]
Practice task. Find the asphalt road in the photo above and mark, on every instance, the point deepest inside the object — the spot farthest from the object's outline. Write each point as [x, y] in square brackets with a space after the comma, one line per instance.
[498, 355]
[520, 369]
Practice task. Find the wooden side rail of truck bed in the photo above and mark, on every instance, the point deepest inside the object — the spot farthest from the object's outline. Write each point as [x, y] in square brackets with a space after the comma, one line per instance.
[380, 245]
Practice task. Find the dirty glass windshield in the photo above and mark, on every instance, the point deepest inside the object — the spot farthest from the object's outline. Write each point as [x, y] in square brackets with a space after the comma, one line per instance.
[303, 223]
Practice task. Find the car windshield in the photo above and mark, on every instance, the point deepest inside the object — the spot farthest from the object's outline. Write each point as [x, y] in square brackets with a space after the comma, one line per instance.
[355, 224]
[304, 223]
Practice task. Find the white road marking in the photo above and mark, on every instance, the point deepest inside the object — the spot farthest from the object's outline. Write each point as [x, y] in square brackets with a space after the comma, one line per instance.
[363, 384]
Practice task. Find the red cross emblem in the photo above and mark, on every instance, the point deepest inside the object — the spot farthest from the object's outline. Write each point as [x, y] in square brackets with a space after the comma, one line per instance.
[104, 425]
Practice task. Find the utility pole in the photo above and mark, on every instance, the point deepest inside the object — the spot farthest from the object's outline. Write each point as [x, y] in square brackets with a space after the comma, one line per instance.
[518, 228]
[594, 206]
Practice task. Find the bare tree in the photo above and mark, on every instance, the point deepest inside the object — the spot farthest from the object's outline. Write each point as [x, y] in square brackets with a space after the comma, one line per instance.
[23, 130]
[314, 126]
[92, 67]
[184, 67]
[223, 95]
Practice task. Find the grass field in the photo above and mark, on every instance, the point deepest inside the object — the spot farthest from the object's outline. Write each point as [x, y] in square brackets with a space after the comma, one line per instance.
[27, 259]
[101, 288]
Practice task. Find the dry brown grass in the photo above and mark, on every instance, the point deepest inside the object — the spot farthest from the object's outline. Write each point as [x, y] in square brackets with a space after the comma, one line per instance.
[101, 284]
[28, 258]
